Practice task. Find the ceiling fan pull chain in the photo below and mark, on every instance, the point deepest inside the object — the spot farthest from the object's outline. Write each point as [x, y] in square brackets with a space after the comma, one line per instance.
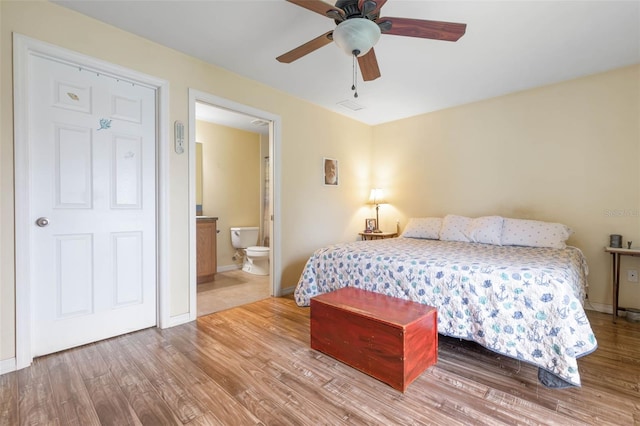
[354, 86]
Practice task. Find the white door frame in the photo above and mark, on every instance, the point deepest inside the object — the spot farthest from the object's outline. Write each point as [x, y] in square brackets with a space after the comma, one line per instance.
[274, 153]
[23, 48]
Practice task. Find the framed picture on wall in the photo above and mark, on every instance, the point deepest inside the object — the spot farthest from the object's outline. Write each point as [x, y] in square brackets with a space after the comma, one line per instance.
[330, 170]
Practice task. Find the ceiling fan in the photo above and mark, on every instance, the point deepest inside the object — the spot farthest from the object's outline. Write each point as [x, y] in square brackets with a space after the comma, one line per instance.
[359, 27]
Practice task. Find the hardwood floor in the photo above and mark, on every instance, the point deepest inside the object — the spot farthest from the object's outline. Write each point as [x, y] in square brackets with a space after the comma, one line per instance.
[253, 365]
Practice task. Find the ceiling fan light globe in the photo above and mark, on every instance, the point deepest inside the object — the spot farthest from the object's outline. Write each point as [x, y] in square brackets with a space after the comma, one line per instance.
[356, 35]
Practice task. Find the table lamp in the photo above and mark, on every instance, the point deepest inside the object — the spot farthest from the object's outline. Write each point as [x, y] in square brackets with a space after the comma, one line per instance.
[377, 197]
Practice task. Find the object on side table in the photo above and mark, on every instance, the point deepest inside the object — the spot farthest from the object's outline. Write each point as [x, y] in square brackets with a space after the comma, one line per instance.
[370, 225]
[615, 241]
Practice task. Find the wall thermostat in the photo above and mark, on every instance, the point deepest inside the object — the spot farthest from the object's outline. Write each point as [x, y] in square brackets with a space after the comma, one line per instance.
[178, 128]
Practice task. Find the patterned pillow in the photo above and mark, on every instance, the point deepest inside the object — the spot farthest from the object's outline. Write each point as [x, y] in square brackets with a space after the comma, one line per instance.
[454, 228]
[534, 233]
[485, 229]
[423, 227]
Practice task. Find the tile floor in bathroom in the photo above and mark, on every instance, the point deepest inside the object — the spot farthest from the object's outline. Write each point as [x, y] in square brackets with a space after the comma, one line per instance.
[230, 289]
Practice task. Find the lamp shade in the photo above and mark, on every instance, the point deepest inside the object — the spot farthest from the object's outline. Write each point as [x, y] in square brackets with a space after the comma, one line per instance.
[377, 196]
[356, 36]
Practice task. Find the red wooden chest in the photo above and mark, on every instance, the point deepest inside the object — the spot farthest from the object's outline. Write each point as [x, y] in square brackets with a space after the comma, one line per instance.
[391, 339]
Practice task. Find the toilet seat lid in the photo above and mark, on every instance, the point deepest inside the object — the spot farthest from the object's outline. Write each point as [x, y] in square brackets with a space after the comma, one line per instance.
[258, 249]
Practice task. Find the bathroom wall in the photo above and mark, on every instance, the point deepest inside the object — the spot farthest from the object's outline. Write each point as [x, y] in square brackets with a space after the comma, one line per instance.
[231, 184]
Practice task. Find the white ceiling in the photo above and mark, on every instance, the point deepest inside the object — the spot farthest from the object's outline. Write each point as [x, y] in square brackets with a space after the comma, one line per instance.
[508, 46]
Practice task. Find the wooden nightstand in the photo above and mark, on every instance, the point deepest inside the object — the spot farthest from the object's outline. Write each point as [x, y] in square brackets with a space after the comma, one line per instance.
[377, 235]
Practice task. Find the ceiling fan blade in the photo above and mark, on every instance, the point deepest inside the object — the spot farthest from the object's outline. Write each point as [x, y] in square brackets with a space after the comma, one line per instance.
[306, 48]
[437, 30]
[318, 6]
[374, 12]
[369, 66]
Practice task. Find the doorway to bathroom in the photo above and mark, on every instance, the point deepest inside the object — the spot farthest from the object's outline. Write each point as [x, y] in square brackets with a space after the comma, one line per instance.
[233, 153]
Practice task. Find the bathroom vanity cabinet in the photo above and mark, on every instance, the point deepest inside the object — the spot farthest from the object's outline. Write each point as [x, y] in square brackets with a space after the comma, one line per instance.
[206, 238]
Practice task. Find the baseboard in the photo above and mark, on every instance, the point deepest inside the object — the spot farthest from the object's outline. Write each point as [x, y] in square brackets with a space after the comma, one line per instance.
[287, 290]
[179, 319]
[598, 307]
[606, 309]
[7, 366]
[228, 268]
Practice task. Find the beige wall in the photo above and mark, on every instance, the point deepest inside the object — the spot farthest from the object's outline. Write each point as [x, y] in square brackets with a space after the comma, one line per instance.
[308, 134]
[231, 181]
[565, 153]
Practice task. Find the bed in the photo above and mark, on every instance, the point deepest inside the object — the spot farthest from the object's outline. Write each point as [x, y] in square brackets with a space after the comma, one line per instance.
[522, 301]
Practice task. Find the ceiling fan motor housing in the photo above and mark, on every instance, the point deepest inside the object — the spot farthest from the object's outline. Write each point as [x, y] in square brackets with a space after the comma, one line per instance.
[351, 10]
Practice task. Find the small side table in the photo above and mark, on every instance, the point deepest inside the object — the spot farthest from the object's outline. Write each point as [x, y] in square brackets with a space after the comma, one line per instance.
[615, 254]
[377, 235]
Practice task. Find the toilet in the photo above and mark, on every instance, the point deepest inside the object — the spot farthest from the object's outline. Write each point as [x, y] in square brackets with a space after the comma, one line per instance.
[256, 258]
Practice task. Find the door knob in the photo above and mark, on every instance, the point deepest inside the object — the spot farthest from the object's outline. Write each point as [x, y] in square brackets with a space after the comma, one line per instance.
[42, 222]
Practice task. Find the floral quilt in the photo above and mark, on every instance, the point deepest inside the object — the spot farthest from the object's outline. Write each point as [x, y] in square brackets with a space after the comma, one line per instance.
[522, 302]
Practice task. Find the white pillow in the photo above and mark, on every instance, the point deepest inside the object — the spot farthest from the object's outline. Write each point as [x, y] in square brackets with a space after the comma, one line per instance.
[454, 228]
[485, 229]
[534, 233]
[423, 227]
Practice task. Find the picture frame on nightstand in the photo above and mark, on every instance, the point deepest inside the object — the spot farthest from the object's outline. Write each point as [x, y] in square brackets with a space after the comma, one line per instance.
[370, 225]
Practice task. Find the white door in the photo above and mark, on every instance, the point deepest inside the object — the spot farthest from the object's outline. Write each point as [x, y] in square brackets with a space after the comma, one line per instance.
[92, 142]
